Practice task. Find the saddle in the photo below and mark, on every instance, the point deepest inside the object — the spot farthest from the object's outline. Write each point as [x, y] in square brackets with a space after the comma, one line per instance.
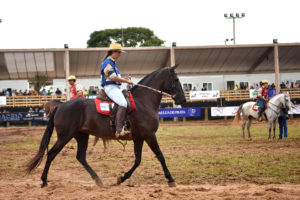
[130, 102]
[256, 106]
[106, 106]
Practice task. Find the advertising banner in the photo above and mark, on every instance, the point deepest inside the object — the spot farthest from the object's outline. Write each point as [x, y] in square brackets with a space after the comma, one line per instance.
[224, 111]
[295, 110]
[214, 94]
[23, 116]
[179, 112]
[3, 100]
[252, 93]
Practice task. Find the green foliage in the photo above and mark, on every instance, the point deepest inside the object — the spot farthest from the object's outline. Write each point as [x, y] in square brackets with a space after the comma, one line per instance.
[133, 37]
[39, 82]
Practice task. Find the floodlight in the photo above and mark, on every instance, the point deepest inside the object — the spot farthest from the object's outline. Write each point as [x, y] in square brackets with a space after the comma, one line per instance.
[237, 14]
[243, 15]
[231, 15]
[225, 15]
[66, 46]
[275, 41]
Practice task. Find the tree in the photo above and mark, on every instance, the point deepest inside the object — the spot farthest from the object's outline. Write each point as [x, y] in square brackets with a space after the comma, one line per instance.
[132, 37]
[39, 81]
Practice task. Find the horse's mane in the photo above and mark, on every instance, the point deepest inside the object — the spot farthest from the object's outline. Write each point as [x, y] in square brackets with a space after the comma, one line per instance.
[147, 77]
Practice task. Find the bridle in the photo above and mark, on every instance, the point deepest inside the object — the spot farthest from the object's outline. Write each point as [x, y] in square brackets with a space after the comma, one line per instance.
[278, 106]
[173, 86]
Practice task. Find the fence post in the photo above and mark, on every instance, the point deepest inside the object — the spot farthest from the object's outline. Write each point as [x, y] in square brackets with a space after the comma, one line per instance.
[29, 123]
[206, 114]
[7, 124]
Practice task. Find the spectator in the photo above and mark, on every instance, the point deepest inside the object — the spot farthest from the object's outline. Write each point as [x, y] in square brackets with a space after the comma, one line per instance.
[194, 88]
[236, 87]
[256, 86]
[7, 93]
[85, 92]
[292, 84]
[282, 85]
[58, 92]
[288, 85]
[204, 88]
[282, 123]
[44, 92]
[251, 87]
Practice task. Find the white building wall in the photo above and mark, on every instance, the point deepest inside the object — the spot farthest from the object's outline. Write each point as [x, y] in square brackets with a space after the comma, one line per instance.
[14, 85]
[219, 82]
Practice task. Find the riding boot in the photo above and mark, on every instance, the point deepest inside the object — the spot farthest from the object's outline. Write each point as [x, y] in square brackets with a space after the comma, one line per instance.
[121, 113]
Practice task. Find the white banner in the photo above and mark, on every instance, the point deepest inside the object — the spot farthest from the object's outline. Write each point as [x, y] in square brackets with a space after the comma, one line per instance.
[224, 111]
[214, 94]
[3, 100]
[252, 93]
[295, 110]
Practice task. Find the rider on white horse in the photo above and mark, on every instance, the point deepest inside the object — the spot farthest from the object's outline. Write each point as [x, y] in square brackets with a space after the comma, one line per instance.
[262, 97]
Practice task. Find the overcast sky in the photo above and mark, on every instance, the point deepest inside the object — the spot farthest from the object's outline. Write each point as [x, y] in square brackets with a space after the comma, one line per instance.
[51, 23]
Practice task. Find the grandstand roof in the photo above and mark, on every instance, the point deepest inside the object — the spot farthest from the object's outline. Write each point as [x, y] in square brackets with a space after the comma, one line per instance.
[193, 60]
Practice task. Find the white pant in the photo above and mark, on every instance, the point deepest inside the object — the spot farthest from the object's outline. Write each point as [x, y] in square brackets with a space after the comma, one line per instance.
[115, 94]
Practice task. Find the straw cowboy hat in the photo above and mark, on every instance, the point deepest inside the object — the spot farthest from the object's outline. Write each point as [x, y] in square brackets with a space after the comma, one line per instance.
[265, 81]
[72, 77]
[116, 47]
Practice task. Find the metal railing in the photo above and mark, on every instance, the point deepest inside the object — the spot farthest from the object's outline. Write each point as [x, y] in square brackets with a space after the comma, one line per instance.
[229, 95]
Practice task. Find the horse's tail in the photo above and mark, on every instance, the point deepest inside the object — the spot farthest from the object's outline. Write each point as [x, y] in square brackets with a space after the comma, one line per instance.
[237, 117]
[34, 163]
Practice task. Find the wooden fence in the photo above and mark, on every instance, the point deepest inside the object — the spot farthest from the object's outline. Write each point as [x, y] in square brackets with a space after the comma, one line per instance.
[229, 95]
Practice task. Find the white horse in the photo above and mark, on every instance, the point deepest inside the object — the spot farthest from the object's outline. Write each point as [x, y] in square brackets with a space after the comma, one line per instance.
[271, 112]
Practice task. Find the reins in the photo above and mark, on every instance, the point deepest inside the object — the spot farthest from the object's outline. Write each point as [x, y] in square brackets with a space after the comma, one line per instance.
[155, 90]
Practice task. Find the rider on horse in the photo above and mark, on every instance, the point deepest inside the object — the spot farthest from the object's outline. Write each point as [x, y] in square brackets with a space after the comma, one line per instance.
[76, 89]
[111, 81]
[262, 97]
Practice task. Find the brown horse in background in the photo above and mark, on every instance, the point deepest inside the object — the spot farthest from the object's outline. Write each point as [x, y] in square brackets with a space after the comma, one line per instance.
[79, 118]
[51, 105]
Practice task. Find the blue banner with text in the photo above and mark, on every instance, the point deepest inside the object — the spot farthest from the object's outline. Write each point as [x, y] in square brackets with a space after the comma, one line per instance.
[179, 112]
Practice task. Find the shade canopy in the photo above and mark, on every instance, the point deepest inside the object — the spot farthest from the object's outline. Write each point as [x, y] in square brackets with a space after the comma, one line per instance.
[192, 60]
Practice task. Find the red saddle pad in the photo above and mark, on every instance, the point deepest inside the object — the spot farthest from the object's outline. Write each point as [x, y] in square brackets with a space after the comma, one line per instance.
[103, 106]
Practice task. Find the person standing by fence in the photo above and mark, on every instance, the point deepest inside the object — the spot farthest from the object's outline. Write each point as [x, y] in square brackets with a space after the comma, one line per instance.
[282, 123]
[76, 89]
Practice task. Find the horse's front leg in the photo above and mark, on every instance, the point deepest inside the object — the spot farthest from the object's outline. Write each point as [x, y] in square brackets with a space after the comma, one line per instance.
[138, 146]
[274, 129]
[153, 144]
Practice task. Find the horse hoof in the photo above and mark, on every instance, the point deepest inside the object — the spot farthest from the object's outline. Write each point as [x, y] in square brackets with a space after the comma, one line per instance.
[99, 182]
[172, 184]
[44, 185]
[119, 180]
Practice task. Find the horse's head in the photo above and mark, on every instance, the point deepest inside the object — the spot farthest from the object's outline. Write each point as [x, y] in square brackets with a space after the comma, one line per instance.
[173, 86]
[286, 101]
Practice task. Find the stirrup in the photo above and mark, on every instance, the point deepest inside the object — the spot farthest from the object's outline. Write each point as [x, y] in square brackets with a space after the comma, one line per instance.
[122, 133]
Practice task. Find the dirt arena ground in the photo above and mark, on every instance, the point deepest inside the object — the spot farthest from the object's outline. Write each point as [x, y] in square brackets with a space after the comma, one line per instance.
[208, 161]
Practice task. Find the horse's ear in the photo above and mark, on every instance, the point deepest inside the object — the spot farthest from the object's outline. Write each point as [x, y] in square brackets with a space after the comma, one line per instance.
[175, 66]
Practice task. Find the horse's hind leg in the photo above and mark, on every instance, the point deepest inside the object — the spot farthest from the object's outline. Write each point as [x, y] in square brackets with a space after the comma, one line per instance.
[243, 127]
[138, 146]
[270, 127]
[248, 127]
[82, 141]
[153, 144]
[57, 147]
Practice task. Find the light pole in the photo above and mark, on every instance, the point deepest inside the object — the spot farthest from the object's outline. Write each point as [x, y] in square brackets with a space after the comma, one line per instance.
[233, 16]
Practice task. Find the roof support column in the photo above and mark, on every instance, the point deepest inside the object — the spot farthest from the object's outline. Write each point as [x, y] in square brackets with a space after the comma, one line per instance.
[276, 65]
[172, 56]
[67, 67]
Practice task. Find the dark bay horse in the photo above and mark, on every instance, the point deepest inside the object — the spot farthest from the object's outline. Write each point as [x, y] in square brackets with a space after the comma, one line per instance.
[51, 105]
[78, 119]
